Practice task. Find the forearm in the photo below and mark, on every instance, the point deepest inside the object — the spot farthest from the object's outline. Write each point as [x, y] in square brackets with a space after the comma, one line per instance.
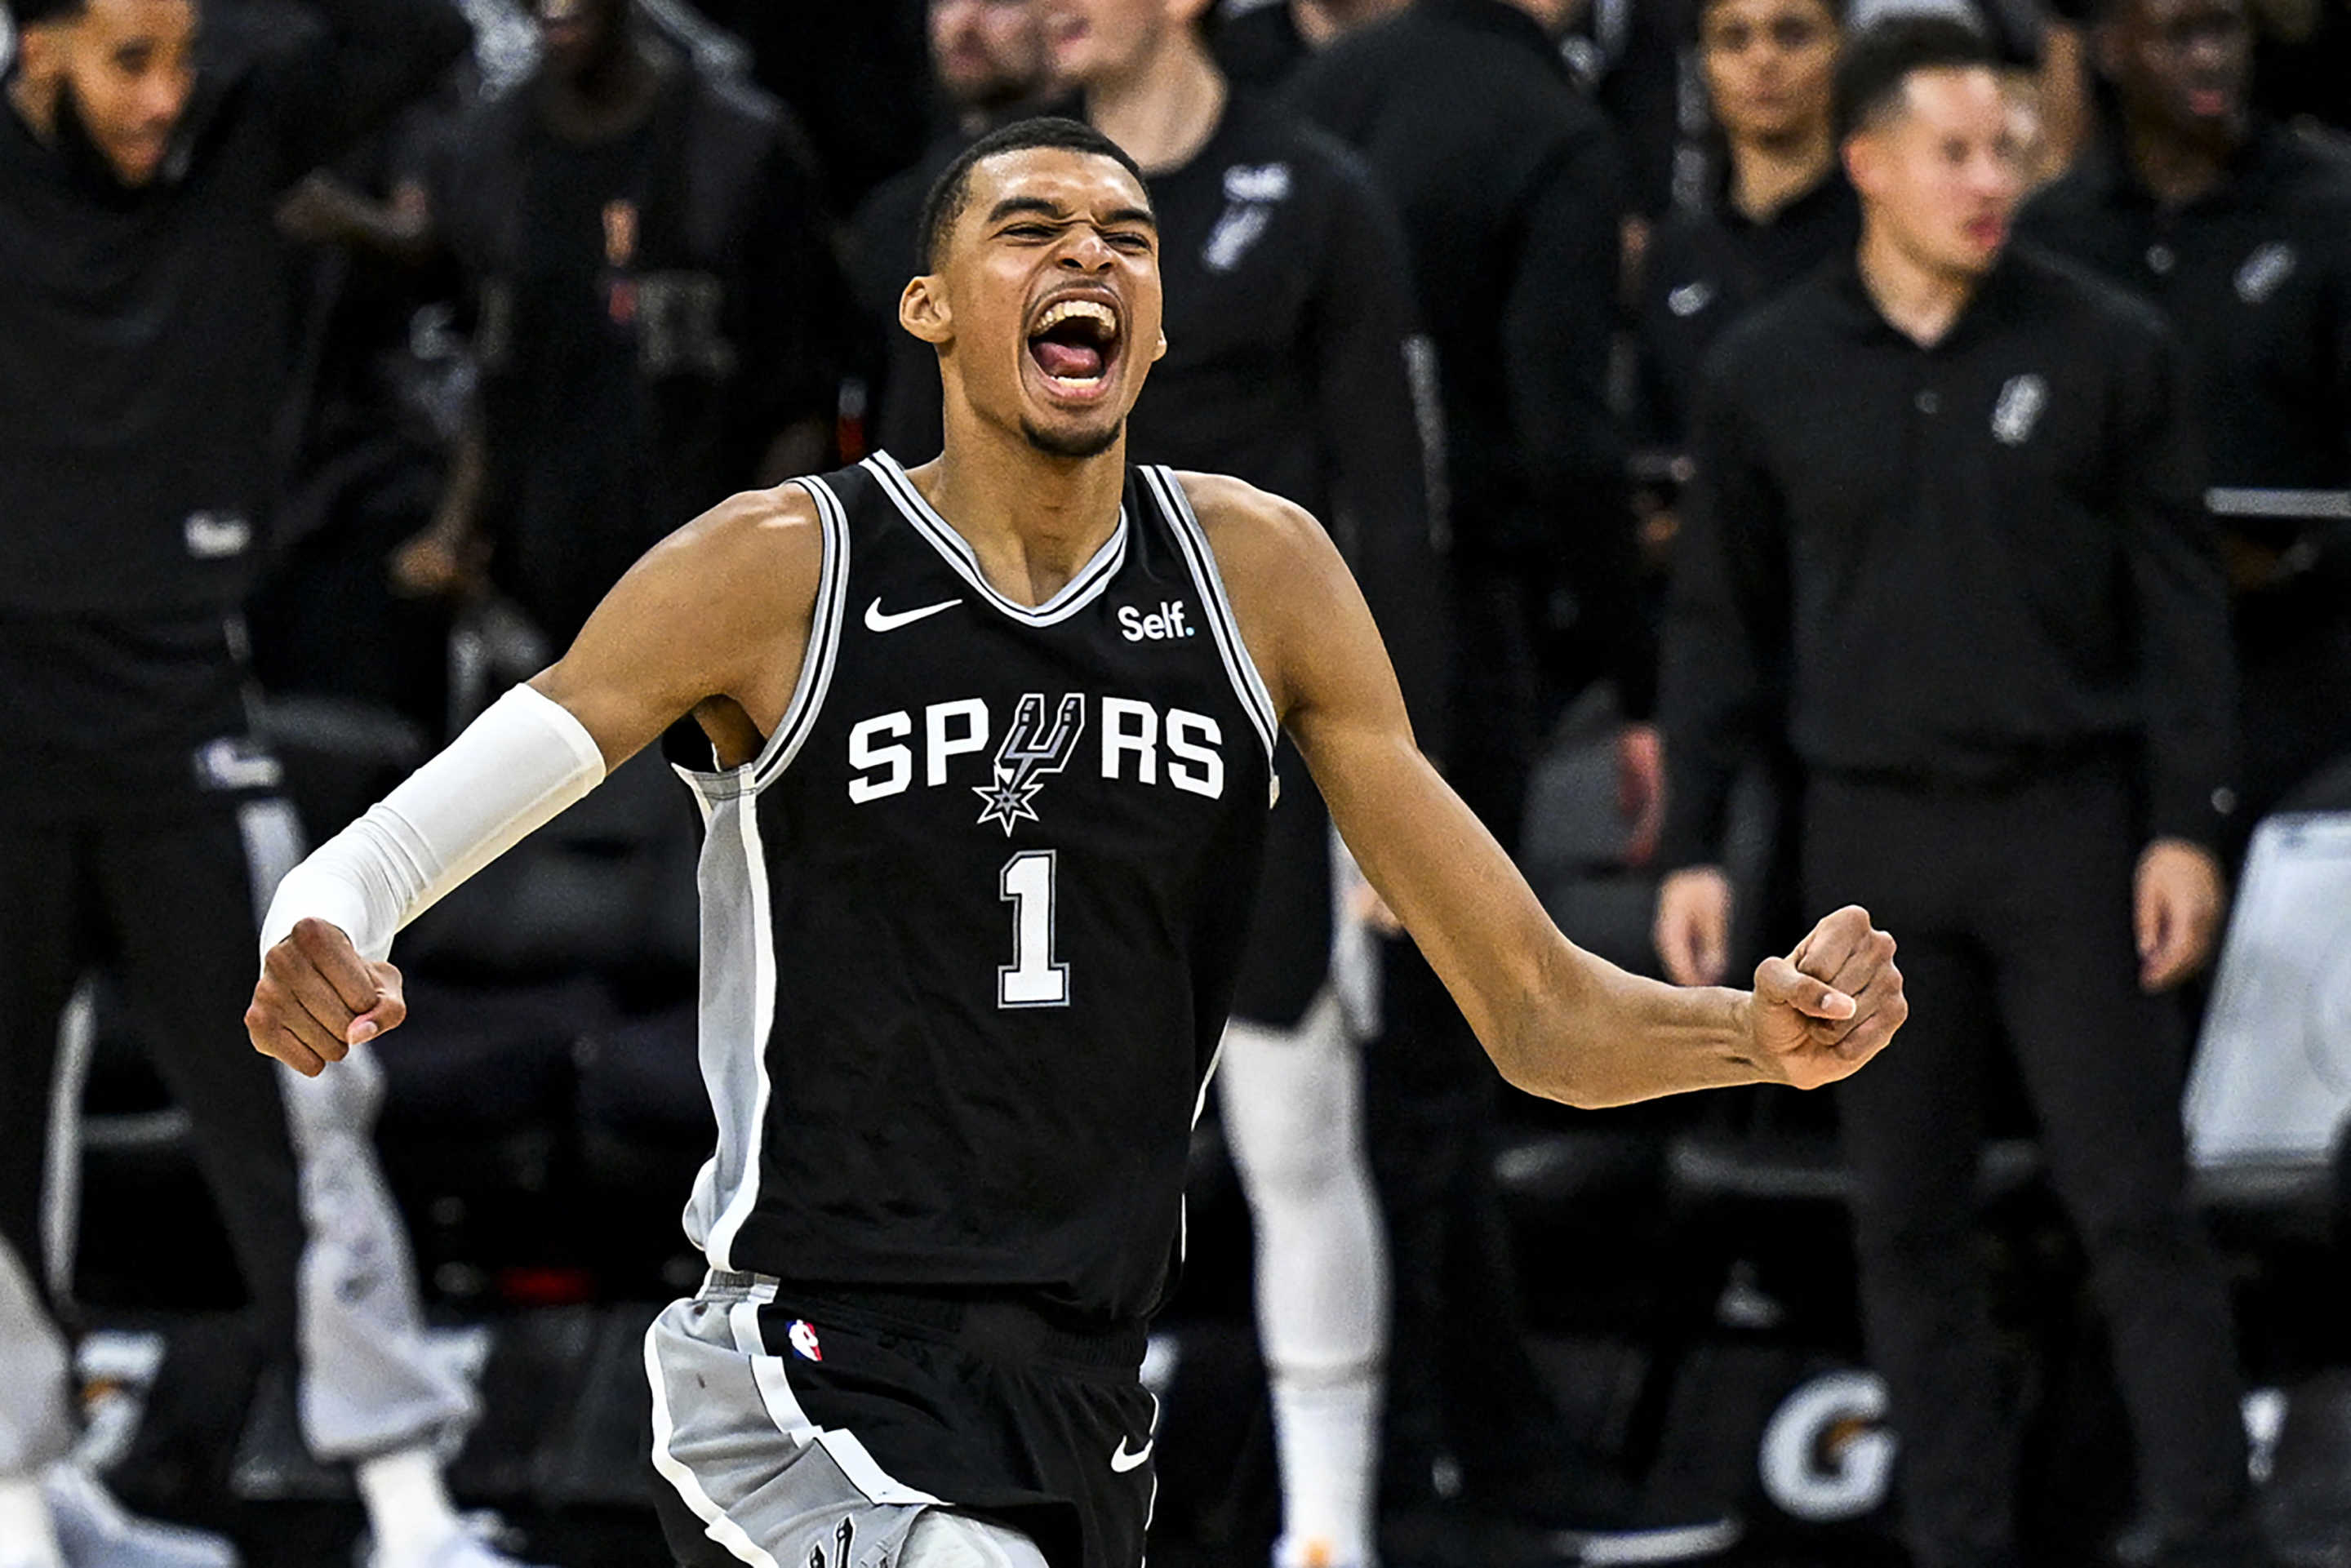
[1557, 1021]
[520, 765]
[1595, 1036]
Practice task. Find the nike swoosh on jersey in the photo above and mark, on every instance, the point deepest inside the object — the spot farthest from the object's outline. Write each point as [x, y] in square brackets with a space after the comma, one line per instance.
[878, 620]
[1122, 1461]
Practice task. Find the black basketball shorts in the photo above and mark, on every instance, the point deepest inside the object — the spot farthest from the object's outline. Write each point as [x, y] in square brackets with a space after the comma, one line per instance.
[811, 1429]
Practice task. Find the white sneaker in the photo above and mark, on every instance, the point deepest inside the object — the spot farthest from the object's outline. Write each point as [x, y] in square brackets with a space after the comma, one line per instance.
[96, 1532]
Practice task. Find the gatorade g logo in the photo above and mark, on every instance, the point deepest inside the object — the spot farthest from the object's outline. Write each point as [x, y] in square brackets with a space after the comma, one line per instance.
[1827, 1455]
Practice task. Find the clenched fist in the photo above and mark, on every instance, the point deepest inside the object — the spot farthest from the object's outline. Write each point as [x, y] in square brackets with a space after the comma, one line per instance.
[317, 997]
[1827, 1008]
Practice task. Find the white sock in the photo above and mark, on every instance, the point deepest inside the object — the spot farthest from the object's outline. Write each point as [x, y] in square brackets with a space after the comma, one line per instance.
[408, 1505]
[26, 1537]
[1327, 1431]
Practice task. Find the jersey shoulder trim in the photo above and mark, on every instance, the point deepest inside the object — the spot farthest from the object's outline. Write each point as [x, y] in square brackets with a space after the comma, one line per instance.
[1193, 540]
[1076, 595]
[817, 664]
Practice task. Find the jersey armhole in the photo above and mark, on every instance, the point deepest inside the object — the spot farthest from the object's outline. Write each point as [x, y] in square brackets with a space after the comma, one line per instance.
[817, 664]
[1193, 540]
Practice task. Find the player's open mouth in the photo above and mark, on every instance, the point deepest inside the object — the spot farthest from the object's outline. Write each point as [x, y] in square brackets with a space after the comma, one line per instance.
[1075, 342]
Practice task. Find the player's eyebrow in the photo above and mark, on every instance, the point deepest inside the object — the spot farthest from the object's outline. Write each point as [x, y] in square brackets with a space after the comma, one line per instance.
[1012, 206]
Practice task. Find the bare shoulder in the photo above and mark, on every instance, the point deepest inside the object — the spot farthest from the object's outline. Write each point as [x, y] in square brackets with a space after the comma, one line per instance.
[1290, 591]
[719, 610]
[1253, 530]
[762, 533]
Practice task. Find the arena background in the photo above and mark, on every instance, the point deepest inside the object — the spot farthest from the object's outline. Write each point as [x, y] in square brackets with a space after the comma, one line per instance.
[1687, 1267]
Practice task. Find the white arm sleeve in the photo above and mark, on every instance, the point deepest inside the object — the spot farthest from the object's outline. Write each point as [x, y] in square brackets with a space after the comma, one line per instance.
[513, 771]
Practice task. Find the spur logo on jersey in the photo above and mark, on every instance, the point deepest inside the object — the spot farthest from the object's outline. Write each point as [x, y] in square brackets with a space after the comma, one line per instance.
[1251, 193]
[2019, 409]
[1160, 626]
[2263, 271]
[1030, 754]
[1138, 743]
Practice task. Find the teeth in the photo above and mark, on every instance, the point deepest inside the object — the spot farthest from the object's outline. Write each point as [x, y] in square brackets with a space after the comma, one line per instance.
[1087, 310]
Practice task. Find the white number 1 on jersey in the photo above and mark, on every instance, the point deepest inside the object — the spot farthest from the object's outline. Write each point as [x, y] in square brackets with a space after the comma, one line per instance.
[1032, 980]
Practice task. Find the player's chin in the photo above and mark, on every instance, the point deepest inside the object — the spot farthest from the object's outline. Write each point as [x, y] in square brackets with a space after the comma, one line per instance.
[1072, 419]
[1073, 438]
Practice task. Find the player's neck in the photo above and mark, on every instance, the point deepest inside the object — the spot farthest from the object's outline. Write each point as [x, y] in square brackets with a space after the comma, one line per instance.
[612, 96]
[33, 100]
[1163, 112]
[2176, 169]
[1033, 520]
[1920, 299]
[1766, 176]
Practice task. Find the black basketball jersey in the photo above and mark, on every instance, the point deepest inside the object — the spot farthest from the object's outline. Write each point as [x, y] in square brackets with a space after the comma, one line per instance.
[971, 920]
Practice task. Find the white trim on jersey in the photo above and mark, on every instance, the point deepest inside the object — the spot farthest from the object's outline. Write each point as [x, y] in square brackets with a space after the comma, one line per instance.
[816, 663]
[1256, 701]
[1081, 590]
[824, 640]
[716, 1524]
[745, 1200]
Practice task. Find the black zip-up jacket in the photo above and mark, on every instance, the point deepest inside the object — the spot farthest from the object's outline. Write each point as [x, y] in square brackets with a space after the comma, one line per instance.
[145, 335]
[730, 294]
[1951, 566]
[1709, 267]
[1508, 183]
[2256, 279]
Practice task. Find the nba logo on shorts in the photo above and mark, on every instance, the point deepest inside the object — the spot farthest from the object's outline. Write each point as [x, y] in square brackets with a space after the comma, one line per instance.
[802, 1333]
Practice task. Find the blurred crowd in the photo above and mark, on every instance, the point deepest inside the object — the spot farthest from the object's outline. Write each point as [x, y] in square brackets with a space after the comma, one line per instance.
[1496, 287]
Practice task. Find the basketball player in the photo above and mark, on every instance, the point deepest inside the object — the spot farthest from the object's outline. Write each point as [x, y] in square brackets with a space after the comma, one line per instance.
[992, 767]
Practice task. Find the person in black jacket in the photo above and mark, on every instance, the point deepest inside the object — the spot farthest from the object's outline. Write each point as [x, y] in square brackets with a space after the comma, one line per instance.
[641, 235]
[1945, 536]
[144, 342]
[1782, 209]
[2241, 231]
[1289, 359]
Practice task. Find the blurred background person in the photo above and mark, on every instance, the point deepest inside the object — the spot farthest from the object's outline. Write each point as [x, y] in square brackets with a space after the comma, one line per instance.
[1779, 206]
[654, 293]
[2014, 721]
[1289, 343]
[2240, 231]
[1780, 209]
[1509, 184]
[144, 343]
[1260, 44]
[991, 66]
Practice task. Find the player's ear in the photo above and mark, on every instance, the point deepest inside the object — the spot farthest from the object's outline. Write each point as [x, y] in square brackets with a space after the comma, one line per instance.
[41, 57]
[1860, 158]
[923, 308]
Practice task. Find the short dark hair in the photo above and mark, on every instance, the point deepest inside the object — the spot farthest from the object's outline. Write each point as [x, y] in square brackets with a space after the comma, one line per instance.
[1879, 61]
[1695, 18]
[33, 12]
[951, 189]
